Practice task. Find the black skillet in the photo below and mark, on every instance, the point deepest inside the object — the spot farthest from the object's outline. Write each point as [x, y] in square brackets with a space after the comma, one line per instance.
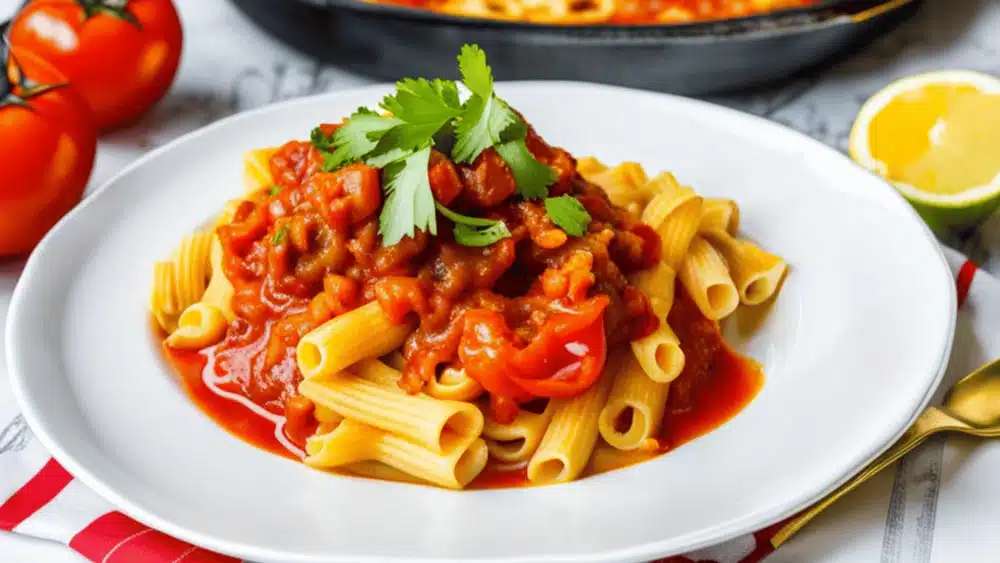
[388, 42]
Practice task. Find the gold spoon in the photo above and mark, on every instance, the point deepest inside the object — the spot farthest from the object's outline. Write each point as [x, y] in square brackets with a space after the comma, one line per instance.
[972, 406]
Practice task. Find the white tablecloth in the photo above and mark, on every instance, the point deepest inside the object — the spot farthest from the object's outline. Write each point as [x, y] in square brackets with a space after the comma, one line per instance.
[941, 505]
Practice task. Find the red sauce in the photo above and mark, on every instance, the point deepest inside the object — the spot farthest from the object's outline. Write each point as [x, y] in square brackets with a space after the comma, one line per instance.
[499, 477]
[736, 382]
[235, 414]
[716, 385]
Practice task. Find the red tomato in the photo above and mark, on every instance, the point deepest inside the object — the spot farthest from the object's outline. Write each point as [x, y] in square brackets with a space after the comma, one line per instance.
[564, 359]
[120, 59]
[47, 146]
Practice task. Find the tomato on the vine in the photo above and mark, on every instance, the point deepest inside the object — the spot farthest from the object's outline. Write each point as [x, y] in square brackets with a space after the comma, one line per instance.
[47, 146]
[120, 55]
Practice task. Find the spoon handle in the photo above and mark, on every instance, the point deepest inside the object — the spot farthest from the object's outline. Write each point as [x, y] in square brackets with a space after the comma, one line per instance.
[929, 422]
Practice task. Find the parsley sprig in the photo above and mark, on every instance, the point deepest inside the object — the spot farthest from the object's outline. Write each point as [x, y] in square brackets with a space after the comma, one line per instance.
[422, 114]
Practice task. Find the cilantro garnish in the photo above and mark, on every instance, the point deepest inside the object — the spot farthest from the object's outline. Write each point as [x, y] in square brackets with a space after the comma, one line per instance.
[356, 138]
[475, 231]
[568, 214]
[422, 114]
[274, 190]
[532, 177]
[409, 202]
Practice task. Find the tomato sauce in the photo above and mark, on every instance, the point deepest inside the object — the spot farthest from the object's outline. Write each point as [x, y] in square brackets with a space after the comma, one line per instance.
[716, 385]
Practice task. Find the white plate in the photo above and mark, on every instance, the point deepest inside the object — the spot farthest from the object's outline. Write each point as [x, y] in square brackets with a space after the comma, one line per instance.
[853, 348]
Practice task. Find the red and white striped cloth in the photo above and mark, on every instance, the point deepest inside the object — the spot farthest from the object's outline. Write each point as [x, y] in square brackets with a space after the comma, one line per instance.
[39, 498]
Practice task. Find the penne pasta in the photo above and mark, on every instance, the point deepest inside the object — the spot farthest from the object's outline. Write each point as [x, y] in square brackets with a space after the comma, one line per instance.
[326, 415]
[352, 442]
[163, 298]
[366, 332]
[181, 282]
[378, 372]
[192, 267]
[588, 166]
[440, 426]
[623, 184]
[662, 182]
[659, 353]
[200, 325]
[572, 432]
[454, 385]
[228, 211]
[257, 169]
[675, 213]
[219, 292]
[706, 278]
[608, 458]
[516, 442]
[756, 272]
[395, 360]
[720, 215]
[379, 470]
[634, 409]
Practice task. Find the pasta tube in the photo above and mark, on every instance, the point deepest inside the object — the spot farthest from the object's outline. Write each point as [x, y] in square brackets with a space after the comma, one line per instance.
[395, 360]
[257, 169]
[634, 409]
[675, 214]
[453, 384]
[379, 470]
[163, 299]
[200, 325]
[607, 458]
[706, 278]
[720, 215]
[517, 441]
[352, 442]
[659, 353]
[623, 184]
[219, 292]
[191, 260]
[440, 426]
[326, 415]
[180, 283]
[588, 166]
[365, 332]
[756, 272]
[572, 432]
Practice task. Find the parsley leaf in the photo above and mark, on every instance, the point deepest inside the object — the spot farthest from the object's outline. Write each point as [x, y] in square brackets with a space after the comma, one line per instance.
[475, 231]
[476, 74]
[320, 140]
[357, 137]
[569, 214]
[471, 236]
[422, 108]
[532, 177]
[409, 202]
[484, 119]
[274, 190]
[418, 100]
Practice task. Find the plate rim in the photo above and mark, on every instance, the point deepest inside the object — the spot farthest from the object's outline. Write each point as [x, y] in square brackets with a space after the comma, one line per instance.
[710, 536]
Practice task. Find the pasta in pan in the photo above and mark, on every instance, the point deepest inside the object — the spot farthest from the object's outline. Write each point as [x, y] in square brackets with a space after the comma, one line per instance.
[522, 324]
[577, 12]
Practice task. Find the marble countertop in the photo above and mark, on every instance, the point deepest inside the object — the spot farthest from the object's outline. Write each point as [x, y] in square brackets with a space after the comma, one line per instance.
[229, 66]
